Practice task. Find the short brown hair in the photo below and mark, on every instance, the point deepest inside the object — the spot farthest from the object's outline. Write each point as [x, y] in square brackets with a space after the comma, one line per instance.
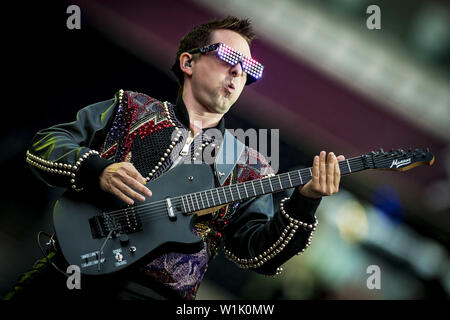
[200, 36]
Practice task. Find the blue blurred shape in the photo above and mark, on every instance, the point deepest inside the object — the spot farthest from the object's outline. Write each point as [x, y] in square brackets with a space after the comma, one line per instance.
[386, 199]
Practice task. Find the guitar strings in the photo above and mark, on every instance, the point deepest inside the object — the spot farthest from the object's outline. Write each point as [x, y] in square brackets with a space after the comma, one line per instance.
[357, 166]
[158, 209]
[265, 182]
[161, 204]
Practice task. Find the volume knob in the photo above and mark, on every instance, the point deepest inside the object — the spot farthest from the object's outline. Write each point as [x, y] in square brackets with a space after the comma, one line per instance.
[124, 239]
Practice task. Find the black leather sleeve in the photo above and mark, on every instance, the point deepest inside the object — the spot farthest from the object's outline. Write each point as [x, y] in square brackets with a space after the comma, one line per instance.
[261, 238]
[66, 155]
[261, 235]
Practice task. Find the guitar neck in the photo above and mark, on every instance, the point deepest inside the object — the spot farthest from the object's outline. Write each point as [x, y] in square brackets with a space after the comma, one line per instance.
[241, 191]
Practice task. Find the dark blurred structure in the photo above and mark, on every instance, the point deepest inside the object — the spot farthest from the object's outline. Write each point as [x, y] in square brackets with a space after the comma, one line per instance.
[329, 84]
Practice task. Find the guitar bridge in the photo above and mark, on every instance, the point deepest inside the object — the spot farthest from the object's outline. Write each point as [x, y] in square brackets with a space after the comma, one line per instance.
[126, 222]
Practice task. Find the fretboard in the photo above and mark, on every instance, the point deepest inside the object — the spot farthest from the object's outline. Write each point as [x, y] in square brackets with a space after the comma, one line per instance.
[241, 191]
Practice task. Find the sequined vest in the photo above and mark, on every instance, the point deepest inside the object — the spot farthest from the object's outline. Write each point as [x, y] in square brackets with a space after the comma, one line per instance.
[147, 133]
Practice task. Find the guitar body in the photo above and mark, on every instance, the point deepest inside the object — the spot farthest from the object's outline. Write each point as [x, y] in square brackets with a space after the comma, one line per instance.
[78, 224]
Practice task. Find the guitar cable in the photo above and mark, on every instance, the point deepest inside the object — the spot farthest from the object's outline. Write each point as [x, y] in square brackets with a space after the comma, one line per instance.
[50, 243]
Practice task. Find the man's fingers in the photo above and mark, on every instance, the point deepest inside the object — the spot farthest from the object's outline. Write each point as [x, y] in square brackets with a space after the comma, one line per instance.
[337, 176]
[136, 180]
[330, 172]
[326, 176]
[315, 171]
[121, 196]
[132, 171]
[127, 191]
[136, 185]
[337, 172]
[123, 180]
[322, 172]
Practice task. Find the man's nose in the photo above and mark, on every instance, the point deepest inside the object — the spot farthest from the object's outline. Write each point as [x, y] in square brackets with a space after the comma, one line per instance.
[236, 70]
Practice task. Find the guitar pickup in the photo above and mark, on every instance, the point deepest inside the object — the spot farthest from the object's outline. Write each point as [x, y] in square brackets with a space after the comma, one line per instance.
[128, 222]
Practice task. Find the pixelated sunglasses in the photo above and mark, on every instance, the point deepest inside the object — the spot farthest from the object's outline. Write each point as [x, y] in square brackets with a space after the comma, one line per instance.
[253, 68]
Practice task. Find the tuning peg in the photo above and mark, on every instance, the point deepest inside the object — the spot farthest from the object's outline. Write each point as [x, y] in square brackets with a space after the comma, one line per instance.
[381, 152]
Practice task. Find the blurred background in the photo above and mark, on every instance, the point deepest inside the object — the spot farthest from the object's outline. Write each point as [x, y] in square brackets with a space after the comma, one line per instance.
[330, 83]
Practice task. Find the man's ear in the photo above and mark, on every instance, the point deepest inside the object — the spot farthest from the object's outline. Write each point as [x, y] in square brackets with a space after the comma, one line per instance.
[186, 60]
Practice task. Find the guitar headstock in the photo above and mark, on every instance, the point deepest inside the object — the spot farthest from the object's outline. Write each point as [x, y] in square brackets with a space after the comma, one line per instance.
[398, 160]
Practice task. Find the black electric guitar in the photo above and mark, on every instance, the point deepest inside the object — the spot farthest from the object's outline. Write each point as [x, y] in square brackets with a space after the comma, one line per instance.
[104, 235]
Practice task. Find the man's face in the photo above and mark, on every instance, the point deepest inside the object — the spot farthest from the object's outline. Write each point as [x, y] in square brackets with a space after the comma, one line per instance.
[215, 83]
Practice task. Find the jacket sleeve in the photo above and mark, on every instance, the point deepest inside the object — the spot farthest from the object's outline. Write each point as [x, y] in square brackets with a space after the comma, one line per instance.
[66, 155]
[261, 238]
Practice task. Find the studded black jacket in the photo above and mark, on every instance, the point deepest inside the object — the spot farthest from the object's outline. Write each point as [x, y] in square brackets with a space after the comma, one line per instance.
[255, 234]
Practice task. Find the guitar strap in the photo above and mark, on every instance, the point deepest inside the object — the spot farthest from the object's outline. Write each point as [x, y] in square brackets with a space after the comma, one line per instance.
[229, 153]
